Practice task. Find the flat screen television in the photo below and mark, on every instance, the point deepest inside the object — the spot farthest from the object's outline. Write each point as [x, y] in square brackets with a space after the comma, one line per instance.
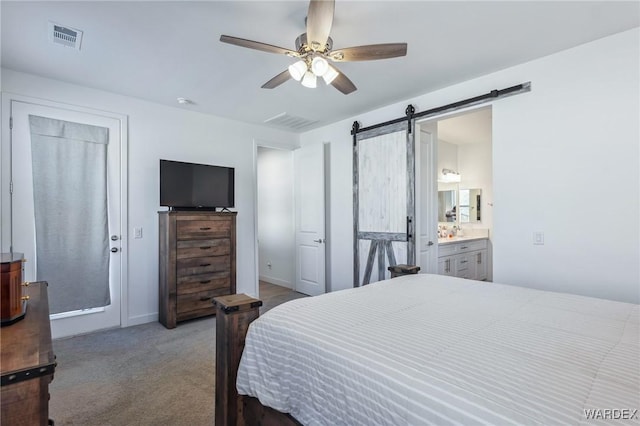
[190, 186]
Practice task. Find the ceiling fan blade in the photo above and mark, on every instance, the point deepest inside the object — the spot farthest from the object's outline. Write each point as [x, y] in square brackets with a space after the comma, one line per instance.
[369, 52]
[277, 80]
[257, 45]
[319, 22]
[343, 84]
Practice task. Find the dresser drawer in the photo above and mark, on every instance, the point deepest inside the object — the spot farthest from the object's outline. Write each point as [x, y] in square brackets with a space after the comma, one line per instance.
[202, 265]
[200, 248]
[196, 283]
[199, 300]
[191, 229]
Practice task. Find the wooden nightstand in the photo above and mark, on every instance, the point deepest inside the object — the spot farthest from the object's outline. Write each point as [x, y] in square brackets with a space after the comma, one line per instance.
[28, 363]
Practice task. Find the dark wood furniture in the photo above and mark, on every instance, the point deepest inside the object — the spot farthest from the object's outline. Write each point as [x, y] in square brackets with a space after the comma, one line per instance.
[234, 313]
[27, 363]
[12, 304]
[399, 270]
[197, 263]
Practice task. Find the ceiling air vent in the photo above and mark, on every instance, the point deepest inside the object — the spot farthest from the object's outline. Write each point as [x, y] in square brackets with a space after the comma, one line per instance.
[290, 122]
[65, 36]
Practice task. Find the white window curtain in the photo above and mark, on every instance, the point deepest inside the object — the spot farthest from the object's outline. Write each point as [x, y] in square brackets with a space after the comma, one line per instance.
[70, 201]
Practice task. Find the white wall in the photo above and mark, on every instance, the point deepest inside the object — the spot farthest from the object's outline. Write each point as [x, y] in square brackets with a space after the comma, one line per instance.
[447, 157]
[476, 171]
[276, 221]
[572, 141]
[157, 131]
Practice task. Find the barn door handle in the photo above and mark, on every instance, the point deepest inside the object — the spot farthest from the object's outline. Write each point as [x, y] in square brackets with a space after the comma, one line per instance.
[408, 228]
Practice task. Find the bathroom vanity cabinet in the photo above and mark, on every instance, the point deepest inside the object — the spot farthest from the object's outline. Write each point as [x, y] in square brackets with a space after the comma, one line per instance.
[464, 258]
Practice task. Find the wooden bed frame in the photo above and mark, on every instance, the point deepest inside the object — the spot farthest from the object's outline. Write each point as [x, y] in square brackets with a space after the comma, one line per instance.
[234, 313]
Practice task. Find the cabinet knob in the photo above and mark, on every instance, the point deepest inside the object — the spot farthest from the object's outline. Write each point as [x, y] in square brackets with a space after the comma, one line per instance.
[25, 298]
[26, 284]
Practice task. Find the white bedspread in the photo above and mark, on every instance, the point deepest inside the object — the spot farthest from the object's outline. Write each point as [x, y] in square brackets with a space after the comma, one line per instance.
[430, 349]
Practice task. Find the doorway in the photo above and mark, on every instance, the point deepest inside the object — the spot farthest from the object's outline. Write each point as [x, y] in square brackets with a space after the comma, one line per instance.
[456, 182]
[290, 218]
[67, 204]
[275, 217]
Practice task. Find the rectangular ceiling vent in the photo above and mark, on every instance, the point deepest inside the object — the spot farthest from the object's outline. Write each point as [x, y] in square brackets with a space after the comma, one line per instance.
[65, 36]
[290, 122]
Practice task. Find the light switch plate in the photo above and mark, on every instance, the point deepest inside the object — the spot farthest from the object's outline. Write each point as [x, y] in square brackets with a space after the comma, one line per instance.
[137, 232]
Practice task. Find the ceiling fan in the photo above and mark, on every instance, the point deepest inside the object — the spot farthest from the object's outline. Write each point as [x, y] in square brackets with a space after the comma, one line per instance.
[314, 49]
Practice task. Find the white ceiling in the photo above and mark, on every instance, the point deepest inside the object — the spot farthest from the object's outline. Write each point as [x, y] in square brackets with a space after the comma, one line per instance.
[159, 51]
[469, 128]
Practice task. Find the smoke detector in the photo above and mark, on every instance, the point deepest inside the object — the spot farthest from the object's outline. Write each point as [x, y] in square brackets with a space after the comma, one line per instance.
[66, 36]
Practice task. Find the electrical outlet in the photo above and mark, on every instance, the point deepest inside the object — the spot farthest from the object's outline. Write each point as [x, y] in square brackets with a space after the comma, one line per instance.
[538, 238]
[269, 265]
[137, 233]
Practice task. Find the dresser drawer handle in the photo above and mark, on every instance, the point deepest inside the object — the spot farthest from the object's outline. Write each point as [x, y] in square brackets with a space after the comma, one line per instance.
[464, 247]
[205, 264]
[205, 282]
[205, 229]
[463, 261]
[204, 298]
[205, 248]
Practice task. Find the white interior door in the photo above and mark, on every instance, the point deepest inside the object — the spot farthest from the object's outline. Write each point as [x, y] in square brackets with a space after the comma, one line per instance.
[426, 198]
[310, 226]
[23, 225]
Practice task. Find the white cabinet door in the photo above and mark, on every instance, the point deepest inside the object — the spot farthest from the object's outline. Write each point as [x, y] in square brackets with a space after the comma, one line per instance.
[446, 266]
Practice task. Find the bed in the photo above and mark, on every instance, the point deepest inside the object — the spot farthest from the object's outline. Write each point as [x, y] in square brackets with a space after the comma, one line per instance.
[430, 349]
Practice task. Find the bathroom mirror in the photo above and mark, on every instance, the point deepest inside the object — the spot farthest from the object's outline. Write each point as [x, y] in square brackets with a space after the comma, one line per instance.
[469, 205]
[447, 205]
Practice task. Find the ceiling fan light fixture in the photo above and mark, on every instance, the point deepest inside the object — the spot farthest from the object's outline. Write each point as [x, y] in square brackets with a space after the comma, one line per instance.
[298, 70]
[319, 66]
[330, 74]
[309, 80]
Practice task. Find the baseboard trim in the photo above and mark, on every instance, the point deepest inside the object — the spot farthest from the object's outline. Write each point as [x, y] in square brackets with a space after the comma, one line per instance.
[276, 281]
[142, 319]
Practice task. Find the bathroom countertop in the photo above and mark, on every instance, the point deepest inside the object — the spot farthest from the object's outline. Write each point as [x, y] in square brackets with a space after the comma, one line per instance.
[459, 239]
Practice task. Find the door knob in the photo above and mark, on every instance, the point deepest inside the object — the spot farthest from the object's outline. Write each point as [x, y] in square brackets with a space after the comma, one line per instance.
[430, 243]
[319, 241]
[114, 249]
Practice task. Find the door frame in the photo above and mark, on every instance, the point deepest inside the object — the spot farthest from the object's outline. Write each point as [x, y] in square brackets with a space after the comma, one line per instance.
[263, 143]
[426, 227]
[433, 120]
[6, 173]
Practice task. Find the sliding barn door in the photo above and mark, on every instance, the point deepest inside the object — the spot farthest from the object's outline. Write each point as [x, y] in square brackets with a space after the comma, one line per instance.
[384, 201]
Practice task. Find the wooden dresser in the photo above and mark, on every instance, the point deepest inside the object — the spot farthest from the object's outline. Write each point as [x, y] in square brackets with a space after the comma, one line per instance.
[27, 363]
[197, 263]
